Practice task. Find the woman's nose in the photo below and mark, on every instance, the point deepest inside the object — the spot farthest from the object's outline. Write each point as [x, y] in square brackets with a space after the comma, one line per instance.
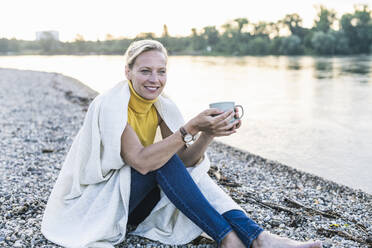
[153, 77]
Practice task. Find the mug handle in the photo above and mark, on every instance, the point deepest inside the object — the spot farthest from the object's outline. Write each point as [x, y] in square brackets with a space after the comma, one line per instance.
[241, 107]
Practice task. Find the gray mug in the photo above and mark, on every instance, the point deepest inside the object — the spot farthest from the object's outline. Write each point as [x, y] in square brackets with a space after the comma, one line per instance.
[226, 106]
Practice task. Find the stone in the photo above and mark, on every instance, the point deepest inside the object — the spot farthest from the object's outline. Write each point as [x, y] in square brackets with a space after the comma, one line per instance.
[18, 244]
[276, 222]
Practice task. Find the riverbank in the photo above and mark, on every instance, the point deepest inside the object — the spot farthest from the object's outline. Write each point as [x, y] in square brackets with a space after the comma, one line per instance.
[40, 114]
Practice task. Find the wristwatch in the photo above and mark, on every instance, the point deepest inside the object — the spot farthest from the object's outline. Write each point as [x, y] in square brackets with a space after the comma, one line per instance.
[187, 138]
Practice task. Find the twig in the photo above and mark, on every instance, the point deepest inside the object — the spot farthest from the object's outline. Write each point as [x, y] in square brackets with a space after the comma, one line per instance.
[226, 182]
[265, 204]
[300, 205]
[328, 232]
[276, 207]
[329, 214]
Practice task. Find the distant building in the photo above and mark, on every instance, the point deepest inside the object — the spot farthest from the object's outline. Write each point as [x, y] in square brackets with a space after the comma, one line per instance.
[47, 35]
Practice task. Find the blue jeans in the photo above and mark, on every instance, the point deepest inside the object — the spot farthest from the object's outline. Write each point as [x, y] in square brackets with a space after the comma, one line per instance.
[181, 190]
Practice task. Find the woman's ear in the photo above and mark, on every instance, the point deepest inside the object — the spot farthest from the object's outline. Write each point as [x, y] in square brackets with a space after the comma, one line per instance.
[127, 72]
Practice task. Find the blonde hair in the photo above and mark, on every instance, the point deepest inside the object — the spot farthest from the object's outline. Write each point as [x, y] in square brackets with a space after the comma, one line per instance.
[138, 47]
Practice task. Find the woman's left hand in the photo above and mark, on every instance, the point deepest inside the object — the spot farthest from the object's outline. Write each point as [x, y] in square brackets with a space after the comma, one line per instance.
[226, 126]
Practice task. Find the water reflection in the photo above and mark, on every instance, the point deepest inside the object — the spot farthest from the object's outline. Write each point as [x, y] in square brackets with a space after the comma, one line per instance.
[241, 62]
[356, 68]
[323, 68]
[294, 63]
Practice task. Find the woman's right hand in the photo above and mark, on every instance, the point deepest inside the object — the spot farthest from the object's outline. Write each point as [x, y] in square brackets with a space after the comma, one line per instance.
[213, 122]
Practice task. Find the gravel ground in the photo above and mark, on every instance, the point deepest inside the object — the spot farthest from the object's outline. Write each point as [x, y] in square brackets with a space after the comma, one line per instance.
[40, 114]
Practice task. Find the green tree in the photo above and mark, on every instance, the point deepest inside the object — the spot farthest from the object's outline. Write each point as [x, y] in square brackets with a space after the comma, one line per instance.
[273, 29]
[165, 33]
[291, 45]
[233, 40]
[358, 29]
[228, 29]
[178, 45]
[261, 29]
[294, 23]
[165, 37]
[48, 43]
[241, 22]
[323, 43]
[325, 19]
[275, 45]
[197, 41]
[259, 46]
[4, 45]
[79, 45]
[211, 35]
[341, 42]
[363, 27]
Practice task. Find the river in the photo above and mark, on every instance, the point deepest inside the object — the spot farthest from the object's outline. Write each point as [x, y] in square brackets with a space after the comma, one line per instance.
[311, 113]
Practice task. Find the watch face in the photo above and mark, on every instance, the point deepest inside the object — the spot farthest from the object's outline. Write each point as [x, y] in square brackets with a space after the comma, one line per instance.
[187, 138]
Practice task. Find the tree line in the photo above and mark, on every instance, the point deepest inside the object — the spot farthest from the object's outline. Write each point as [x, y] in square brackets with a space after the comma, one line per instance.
[351, 34]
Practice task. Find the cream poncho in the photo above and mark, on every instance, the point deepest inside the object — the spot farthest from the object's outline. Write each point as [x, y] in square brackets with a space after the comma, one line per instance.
[88, 206]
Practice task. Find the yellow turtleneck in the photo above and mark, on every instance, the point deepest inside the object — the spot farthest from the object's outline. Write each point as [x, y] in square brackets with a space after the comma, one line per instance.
[142, 117]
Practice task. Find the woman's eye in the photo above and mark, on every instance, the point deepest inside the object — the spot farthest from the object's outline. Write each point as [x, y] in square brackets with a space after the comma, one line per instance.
[162, 72]
[145, 71]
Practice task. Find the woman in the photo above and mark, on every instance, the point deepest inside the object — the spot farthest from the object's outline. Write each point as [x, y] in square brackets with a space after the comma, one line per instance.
[116, 174]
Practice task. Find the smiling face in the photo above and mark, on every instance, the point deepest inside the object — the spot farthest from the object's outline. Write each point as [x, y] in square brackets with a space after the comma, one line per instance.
[148, 74]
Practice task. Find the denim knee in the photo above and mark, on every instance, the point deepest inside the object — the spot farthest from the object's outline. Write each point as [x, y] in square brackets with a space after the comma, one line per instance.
[183, 192]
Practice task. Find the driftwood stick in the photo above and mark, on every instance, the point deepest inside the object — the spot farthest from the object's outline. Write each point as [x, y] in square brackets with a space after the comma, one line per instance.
[328, 232]
[277, 207]
[361, 227]
[300, 205]
[228, 183]
[329, 214]
[268, 204]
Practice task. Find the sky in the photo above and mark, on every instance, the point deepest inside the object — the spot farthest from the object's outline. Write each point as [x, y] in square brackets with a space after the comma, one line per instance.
[94, 19]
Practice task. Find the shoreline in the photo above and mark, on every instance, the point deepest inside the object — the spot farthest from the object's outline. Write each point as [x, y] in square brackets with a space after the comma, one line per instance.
[41, 113]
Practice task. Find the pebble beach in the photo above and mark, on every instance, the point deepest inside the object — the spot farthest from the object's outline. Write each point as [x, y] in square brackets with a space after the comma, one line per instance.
[40, 114]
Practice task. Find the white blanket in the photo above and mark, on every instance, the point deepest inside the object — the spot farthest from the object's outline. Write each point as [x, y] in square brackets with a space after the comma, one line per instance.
[88, 206]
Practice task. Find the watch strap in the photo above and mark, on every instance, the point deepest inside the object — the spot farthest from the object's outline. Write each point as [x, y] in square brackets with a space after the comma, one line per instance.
[186, 137]
[183, 132]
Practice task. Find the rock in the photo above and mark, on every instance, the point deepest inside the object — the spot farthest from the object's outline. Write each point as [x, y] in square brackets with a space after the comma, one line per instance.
[18, 243]
[369, 240]
[267, 218]
[275, 222]
[20, 209]
[29, 232]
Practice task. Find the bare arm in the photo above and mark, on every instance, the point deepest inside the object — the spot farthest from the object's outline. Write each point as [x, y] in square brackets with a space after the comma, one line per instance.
[152, 157]
[191, 155]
